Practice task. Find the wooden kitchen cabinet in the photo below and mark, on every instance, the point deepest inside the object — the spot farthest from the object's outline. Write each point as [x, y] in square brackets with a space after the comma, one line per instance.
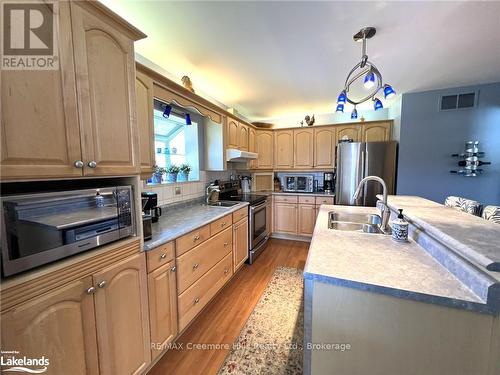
[240, 244]
[283, 149]
[59, 325]
[269, 215]
[122, 319]
[39, 116]
[307, 218]
[285, 218]
[264, 149]
[349, 132]
[324, 148]
[376, 132]
[252, 146]
[162, 295]
[105, 74]
[243, 137]
[303, 151]
[232, 133]
[145, 123]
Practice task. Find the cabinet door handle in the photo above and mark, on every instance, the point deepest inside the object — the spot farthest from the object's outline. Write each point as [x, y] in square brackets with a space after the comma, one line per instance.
[102, 284]
[92, 164]
[78, 164]
[226, 271]
[195, 266]
[196, 300]
[163, 256]
[223, 224]
[196, 238]
[173, 269]
[90, 290]
[225, 244]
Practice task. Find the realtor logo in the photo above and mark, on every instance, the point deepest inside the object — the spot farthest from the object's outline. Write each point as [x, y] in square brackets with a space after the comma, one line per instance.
[29, 35]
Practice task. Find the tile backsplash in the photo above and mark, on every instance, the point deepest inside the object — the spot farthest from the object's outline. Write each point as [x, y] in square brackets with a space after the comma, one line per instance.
[178, 192]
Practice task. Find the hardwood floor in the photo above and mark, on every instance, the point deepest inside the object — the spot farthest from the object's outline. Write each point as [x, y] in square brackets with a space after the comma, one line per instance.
[223, 318]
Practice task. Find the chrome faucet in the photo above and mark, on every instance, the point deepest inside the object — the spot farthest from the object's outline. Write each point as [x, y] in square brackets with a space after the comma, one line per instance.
[385, 212]
[211, 190]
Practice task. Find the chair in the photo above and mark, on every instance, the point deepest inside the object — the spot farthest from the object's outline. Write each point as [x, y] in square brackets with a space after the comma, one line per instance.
[491, 213]
[463, 204]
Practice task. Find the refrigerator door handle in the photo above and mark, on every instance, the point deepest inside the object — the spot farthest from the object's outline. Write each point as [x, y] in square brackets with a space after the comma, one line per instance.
[365, 169]
[363, 158]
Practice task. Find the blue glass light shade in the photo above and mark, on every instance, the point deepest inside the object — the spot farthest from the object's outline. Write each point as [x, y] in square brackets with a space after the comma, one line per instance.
[167, 110]
[354, 113]
[340, 108]
[188, 119]
[377, 104]
[342, 99]
[369, 81]
[389, 91]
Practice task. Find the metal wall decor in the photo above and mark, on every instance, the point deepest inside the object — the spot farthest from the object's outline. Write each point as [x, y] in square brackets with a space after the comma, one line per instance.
[470, 160]
[372, 78]
[309, 121]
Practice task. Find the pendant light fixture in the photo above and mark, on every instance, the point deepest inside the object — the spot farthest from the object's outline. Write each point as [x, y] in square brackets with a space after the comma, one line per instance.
[167, 110]
[188, 119]
[372, 78]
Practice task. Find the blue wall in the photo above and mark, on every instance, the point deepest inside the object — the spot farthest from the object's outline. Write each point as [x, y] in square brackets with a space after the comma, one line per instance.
[428, 137]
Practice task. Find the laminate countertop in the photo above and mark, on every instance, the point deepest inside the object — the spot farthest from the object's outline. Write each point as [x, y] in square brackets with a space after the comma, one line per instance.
[376, 263]
[179, 219]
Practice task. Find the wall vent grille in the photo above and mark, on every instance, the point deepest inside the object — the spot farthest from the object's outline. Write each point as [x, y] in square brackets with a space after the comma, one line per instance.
[458, 101]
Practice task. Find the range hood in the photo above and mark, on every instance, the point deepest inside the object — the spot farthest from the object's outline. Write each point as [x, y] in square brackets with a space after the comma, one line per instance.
[235, 155]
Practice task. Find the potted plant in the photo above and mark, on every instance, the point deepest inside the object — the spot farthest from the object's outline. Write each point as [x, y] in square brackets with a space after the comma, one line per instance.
[158, 173]
[184, 170]
[172, 173]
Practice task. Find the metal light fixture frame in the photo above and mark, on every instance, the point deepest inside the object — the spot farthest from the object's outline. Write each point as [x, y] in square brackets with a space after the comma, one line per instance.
[365, 65]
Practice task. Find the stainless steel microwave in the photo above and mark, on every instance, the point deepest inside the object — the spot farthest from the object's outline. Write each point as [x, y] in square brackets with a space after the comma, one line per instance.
[41, 228]
[301, 183]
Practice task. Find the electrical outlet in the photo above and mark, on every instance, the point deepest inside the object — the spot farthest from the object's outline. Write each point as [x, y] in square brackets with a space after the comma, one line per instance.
[178, 190]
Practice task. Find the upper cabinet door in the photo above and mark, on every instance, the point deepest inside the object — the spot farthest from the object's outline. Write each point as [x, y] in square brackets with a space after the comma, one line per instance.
[324, 148]
[243, 142]
[105, 71]
[59, 325]
[122, 319]
[40, 130]
[376, 132]
[348, 132]
[233, 133]
[145, 124]
[283, 149]
[264, 149]
[303, 148]
[252, 146]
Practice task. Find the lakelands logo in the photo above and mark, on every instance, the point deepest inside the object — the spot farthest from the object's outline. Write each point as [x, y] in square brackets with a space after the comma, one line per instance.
[10, 363]
[29, 39]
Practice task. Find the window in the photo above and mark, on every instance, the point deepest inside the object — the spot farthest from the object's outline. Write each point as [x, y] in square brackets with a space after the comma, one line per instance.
[175, 142]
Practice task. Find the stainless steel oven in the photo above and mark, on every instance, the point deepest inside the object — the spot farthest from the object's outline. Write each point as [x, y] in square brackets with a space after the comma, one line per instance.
[257, 231]
[300, 183]
[42, 228]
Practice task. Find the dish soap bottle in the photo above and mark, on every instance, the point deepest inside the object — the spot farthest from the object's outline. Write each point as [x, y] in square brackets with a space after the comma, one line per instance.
[400, 228]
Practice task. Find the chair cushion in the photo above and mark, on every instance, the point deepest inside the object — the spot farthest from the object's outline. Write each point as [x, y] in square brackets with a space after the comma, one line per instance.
[463, 204]
[492, 213]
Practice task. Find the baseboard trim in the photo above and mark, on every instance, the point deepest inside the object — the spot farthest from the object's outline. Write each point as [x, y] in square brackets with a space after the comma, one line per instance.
[284, 236]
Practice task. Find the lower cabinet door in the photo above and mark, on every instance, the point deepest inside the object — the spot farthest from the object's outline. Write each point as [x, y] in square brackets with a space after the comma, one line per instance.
[59, 325]
[240, 243]
[162, 307]
[307, 219]
[285, 218]
[121, 311]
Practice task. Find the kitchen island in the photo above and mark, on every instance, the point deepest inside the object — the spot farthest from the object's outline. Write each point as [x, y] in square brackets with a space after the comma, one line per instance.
[373, 305]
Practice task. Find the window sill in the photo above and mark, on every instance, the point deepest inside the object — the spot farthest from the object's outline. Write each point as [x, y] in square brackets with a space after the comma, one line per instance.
[153, 184]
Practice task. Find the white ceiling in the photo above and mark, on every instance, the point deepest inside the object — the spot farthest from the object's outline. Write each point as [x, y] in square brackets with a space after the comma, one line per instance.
[271, 59]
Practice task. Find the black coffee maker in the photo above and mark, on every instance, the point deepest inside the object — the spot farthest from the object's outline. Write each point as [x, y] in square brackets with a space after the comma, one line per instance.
[150, 205]
[328, 182]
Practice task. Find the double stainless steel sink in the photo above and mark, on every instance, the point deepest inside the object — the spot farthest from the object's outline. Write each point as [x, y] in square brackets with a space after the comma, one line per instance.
[222, 204]
[352, 222]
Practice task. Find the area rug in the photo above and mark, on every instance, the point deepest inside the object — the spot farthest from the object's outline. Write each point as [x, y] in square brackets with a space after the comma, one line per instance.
[271, 340]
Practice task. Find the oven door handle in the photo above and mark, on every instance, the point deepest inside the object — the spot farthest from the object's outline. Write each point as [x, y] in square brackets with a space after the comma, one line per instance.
[259, 207]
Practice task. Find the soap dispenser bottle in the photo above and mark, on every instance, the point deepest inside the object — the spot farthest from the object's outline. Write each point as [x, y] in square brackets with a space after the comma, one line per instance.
[400, 228]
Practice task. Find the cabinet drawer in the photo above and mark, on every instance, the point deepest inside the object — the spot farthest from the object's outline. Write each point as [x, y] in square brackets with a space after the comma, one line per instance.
[195, 263]
[220, 224]
[240, 214]
[201, 292]
[324, 200]
[286, 198]
[160, 256]
[192, 239]
[306, 200]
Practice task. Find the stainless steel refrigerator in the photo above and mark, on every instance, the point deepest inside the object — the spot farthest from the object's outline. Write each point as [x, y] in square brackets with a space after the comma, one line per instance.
[360, 159]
